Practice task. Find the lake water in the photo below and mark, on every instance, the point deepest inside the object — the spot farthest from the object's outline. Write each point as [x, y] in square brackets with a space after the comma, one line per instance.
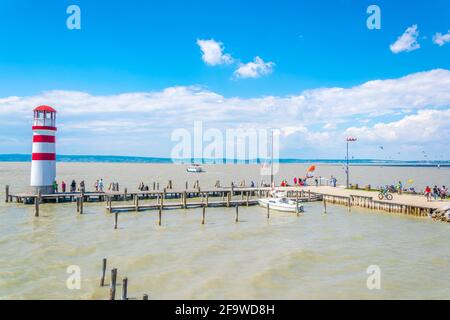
[285, 257]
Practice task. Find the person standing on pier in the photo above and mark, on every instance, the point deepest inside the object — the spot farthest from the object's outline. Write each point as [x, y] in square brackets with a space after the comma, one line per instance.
[55, 186]
[63, 187]
[73, 186]
[100, 185]
[96, 185]
[82, 186]
[428, 193]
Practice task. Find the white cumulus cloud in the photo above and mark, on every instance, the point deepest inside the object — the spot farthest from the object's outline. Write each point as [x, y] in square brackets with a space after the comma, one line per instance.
[407, 41]
[254, 69]
[213, 52]
[440, 39]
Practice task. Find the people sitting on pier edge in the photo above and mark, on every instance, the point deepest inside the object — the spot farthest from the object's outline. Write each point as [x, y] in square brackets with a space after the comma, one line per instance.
[63, 187]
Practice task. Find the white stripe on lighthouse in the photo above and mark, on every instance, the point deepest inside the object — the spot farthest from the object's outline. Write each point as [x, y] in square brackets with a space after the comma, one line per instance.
[43, 147]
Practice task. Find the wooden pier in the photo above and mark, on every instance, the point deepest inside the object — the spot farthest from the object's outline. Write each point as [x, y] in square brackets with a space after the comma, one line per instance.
[413, 205]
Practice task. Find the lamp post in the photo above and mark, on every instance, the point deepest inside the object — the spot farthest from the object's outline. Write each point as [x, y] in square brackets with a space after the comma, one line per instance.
[349, 139]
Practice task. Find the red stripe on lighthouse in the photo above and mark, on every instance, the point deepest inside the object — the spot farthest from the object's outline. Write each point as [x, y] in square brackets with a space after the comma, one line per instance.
[49, 139]
[43, 156]
[43, 128]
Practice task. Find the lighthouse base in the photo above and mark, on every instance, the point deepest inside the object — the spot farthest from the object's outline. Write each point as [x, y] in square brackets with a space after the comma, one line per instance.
[43, 189]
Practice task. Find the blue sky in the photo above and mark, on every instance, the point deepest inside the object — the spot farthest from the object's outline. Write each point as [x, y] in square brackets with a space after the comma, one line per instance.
[127, 47]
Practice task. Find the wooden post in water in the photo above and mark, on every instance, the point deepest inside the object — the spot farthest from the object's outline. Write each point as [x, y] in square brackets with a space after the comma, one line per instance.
[78, 203]
[268, 211]
[154, 185]
[248, 195]
[125, 194]
[124, 288]
[112, 287]
[237, 213]
[324, 205]
[110, 204]
[37, 199]
[203, 214]
[349, 204]
[160, 215]
[81, 202]
[184, 199]
[186, 186]
[116, 218]
[136, 203]
[145, 296]
[228, 199]
[102, 279]
[6, 193]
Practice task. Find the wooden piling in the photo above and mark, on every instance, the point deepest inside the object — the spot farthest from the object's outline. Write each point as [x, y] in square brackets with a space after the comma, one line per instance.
[116, 217]
[102, 279]
[81, 202]
[184, 199]
[6, 193]
[237, 214]
[124, 288]
[203, 214]
[349, 204]
[125, 196]
[37, 199]
[268, 211]
[248, 195]
[112, 287]
[78, 204]
[324, 205]
[159, 216]
[136, 203]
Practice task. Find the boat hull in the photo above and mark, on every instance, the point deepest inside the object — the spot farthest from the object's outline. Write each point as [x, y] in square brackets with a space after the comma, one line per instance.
[284, 207]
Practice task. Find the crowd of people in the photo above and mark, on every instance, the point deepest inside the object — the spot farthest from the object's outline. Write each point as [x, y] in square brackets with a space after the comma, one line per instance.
[435, 193]
[99, 186]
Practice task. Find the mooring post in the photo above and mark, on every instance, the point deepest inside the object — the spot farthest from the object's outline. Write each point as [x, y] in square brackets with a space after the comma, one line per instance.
[160, 215]
[81, 202]
[248, 195]
[268, 211]
[37, 199]
[203, 214]
[78, 204]
[124, 288]
[102, 279]
[110, 204]
[145, 296]
[6, 193]
[324, 205]
[228, 198]
[116, 217]
[136, 204]
[112, 288]
[237, 213]
[184, 199]
[349, 204]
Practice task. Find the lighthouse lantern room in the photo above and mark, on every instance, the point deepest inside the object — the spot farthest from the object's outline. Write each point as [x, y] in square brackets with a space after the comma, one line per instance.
[43, 158]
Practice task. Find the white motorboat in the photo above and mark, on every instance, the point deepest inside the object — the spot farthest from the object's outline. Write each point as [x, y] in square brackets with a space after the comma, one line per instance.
[281, 204]
[194, 168]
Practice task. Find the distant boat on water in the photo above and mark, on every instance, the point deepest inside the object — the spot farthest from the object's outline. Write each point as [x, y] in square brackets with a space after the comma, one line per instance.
[195, 168]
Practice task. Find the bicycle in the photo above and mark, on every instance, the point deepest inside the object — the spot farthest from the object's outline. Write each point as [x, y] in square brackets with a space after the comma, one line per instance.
[384, 194]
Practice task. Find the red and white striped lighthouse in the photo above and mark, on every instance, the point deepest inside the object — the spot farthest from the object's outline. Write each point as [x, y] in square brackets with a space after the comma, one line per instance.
[43, 158]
